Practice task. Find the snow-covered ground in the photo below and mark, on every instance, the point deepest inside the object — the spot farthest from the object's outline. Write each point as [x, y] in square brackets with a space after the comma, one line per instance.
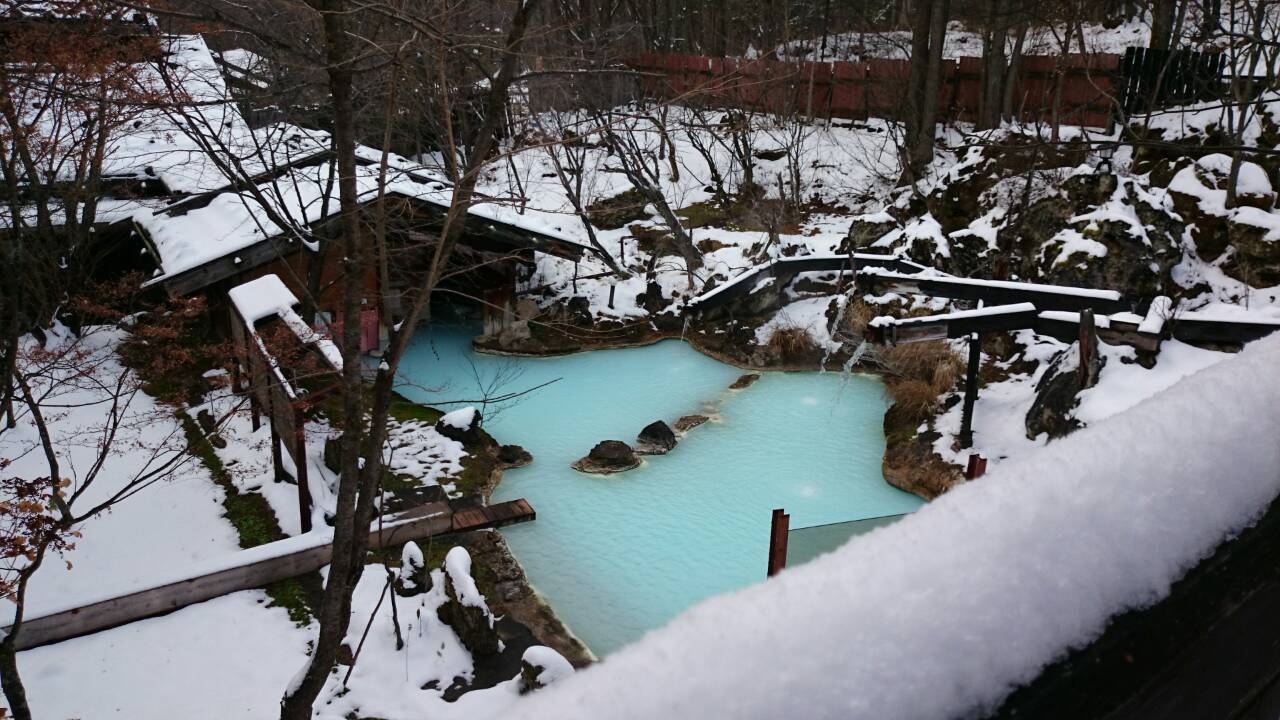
[233, 656]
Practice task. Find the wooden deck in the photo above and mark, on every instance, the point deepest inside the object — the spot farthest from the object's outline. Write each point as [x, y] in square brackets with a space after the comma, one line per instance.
[493, 516]
[257, 567]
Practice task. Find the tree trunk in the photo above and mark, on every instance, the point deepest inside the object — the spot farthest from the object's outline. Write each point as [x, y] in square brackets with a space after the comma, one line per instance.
[993, 64]
[1162, 17]
[923, 150]
[347, 561]
[915, 92]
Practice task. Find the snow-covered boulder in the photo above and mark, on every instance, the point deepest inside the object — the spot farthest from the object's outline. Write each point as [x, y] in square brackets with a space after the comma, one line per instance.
[462, 425]
[1056, 394]
[541, 666]
[1128, 241]
[413, 578]
[465, 610]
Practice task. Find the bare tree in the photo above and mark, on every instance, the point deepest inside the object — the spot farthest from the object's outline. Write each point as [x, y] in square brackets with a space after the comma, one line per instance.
[93, 434]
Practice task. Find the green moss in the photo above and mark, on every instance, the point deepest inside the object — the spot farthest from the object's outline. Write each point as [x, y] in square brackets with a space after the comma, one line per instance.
[405, 410]
[255, 524]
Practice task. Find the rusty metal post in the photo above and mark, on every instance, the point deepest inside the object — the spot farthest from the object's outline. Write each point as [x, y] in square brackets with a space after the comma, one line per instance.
[977, 467]
[300, 469]
[778, 541]
[970, 390]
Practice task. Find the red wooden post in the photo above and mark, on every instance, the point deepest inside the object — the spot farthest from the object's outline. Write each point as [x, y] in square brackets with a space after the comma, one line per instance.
[778, 541]
[300, 469]
[977, 467]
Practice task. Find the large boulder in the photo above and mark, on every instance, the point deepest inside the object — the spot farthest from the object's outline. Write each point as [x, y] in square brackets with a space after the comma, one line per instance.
[1051, 412]
[1124, 243]
[657, 438]
[608, 456]
[514, 456]
[465, 609]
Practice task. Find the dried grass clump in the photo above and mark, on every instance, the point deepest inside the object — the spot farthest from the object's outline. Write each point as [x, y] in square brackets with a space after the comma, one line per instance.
[916, 375]
[792, 343]
[933, 362]
[856, 316]
[913, 400]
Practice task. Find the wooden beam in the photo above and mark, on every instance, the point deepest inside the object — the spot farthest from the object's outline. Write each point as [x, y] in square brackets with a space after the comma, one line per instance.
[257, 567]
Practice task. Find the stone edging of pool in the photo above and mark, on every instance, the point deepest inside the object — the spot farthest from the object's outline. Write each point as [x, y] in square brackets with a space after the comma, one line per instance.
[902, 455]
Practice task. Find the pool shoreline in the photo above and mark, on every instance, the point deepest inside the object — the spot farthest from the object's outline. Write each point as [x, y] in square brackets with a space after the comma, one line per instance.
[530, 607]
[895, 475]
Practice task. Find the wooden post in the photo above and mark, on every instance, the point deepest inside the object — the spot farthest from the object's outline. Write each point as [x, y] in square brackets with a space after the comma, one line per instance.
[276, 463]
[970, 390]
[977, 467]
[1088, 348]
[778, 541]
[300, 469]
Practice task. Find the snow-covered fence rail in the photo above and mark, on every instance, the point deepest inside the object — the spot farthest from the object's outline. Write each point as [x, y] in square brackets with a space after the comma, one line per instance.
[996, 292]
[256, 567]
[1075, 89]
[784, 270]
[896, 331]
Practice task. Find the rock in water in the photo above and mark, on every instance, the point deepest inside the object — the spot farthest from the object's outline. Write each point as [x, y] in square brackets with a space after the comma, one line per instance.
[656, 439]
[608, 456]
[514, 456]
[745, 381]
[689, 422]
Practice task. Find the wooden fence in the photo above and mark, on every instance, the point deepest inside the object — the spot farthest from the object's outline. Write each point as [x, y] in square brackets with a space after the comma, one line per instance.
[1154, 79]
[1075, 89]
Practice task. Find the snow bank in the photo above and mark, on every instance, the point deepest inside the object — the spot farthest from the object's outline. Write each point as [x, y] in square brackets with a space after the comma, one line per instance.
[954, 606]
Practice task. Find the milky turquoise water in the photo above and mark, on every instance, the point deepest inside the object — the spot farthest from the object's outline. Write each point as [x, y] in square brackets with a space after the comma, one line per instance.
[621, 554]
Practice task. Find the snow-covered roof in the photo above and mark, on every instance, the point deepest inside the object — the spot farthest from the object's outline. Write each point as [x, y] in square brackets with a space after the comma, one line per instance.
[190, 234]
[945, 612]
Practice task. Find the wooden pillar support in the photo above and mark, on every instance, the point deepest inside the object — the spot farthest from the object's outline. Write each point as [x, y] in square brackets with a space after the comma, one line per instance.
[970, 390]
[300, 468]
[778, 541]
[277, 465]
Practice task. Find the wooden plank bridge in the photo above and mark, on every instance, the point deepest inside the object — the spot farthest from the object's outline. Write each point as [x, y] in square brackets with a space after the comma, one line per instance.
[257, 567]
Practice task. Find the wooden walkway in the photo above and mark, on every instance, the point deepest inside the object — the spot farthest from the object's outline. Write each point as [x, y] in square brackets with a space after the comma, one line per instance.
[257, 567]
[493, 516]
